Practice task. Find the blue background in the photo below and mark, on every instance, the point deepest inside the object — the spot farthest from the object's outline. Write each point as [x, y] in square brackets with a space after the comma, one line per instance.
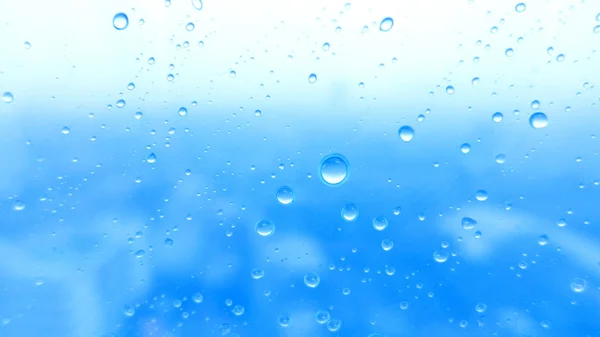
[70, 260]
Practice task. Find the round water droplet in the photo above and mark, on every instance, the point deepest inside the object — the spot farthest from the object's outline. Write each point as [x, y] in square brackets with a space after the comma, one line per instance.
[182, 111]
[481, 195]
[465, 148]
[403, 305]
[312, 280]
[597, 29]
[168, 242]
[578, 285]
[66, 130]
[334, 325]
[312, 78]
[509, 52]
[130, 86]
[397, 210]
[120, 103]
[19, 205]
[265, 228]
[440, 257]
[257, 273]
[350, 212]
[189, 27]
[8, 97]
[475, 81]
[387, 244]
[500, 159]
[468, 223]
[480, 307]
[322, 316]
[129, 310]
[535, 104]
[450, 90]
[197, 298]
[120, 21]
[27, 45]
[326, 46]
[542, 240]
[284, 320]
[334, 169]
[232, 74]
[238, 310]
[560, 57]
[520, 7]
[139, 115]
[406, 133]
[197, 4]
[386, 24]
[497, 117]
[151, 159]
[140, 253]
[538, 120]
[380, 223]
[285, 195]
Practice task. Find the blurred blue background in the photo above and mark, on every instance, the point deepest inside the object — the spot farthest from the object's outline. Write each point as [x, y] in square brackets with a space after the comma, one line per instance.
[125, 215]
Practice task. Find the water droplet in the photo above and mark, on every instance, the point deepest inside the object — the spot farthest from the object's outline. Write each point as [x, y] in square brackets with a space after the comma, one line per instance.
[497, 117]
[597, 29]
[197, 4]
[494, 30]
[129, 310]
[397, 210]
[232, 74]
[265, 228]
[27, 45]
[542, 240]
[480, 307]
[19, 205]
[578, 285]
[475, 81]
[151, 159]
[182, 111]
[257, 273]
[170, 77]
[406, 133]
[326, 46]
[520, 7]
[168, 242]
[387, 244]
[403, 305]
[334, 169]
[285, 195]
[481, 195]
[197, 297]
[349, 212]
[130, 86]
[468, 223]
[561, 223]
[386, 24]
[450, 90]
[509, 52]
[440, 257]
[334, 325]
[322, 316]
[312, 280]
[545, 324]
[312, 78]
[139, 115]
[8, 97]
[535, 104]
[66, 130]
[465, 148]
[284, 320]
[538, 120]
[120, 21]
[380, 223]
[121, 103]
[560, 57]
[140, 253]
[238, 310]
[500, 159]
[190, 26]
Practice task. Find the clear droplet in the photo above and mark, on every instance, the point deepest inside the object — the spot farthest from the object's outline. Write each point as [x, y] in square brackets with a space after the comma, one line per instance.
[542, 240]
[560, 57]
[468, 223]
[322, 316]
[497, 117]
[8, 97]
[140, 253]
[130, 86]
[151, 159]
[475, 81]
[168, 242]
[66, 130]
[465, 148]
[284, 320]
[480, 307]
[197, 297]
[500, 159]
[386, 24]
[334, 169]
[597, 29]
[121, 103]
[19, 205]
[350, 212]
[190, 26]
[578, 285]
[509, 52]
[120, 21]
[238, 310]
[538, 120]
[182, 111]
[450, 90]
[312, 78]
[403, 305]
[334, 325]
[285, 195]
[387, 244]
[27, 45]
[481, 195]
[406, 133]
[257, 273]
[520, 7]
[535, 104]
[139, 115]
[265, 228]
[312, 280]
[129, 310]
[232, 74]
[197, 4]
[380, 223]
[326, 46]
[440, 257]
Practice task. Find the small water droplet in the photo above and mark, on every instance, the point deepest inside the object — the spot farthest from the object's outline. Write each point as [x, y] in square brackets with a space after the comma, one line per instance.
[237, 310]
[285, 195]
[480, 307]
[475, 81]
[139, 115]
[129, 310]
[386, 24]
[257, 273]
[322, 316]
[468, 223]
[560, 57]
[465, 148]
[121, 103]
[284, 320]
[151, 60]
[27, 45]
[151, 159]
[500, 159]
[140, 253]
[265, 228]
[120, 21]
[542, 240]
[334, 169]
[312, 78]
[334, 325]
[326, 46]
[406, 133]
[182, 111]
[168, 242]
[190, 26]
[481, 195]
[66, 130]
[8, 97]
[520, 7]
[197, 297]
[130, 86]
[538, 120]
[494, 30]
[197, 4]
[19, 205]
[380, 223]
[578, 285]
[349, 212]
[387, 244]
[440, 257]
[450, 90]
[509, 52]
[535, 104]
[497, 117]
[312, 280]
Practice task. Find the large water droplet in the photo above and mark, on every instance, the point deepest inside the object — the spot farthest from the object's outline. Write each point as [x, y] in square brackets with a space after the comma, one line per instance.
[120, 21]
[349, 212]
[312, 78]
[386, 24]
[468, 223]
[151, 159]
[312, 280]
[480, 307]
[121, 103]
[538, 120]
[542, 240]
[509, 52]
[197, 4]
[450, 90]
[334, 169]
[197, 297]
[182, 111]
[535, 104]
[578, 285]
[497, 117]
[326, 46]
[7, 97]
[520, 7]
[285, 195]
[406, 133]
[265, 228]
[475, 81]
[380, 223]
[129, 310]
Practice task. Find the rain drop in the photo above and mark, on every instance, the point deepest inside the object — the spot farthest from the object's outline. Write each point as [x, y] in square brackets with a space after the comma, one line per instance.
[520, 7]
[578, 285]
[285, 195]
[380, 223]
[334, 169]
[120, 21]
[349, 212]
[497, 117]
[450, 90]
[197, 4]
[312, 78]
[190, 26]
[182, 111]
[265, 228]
[386, 24]
[538, 120]
[312, 280]
[7, 97]
[151, 158]
[406, 133]
[465, 148]
[468, 223]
